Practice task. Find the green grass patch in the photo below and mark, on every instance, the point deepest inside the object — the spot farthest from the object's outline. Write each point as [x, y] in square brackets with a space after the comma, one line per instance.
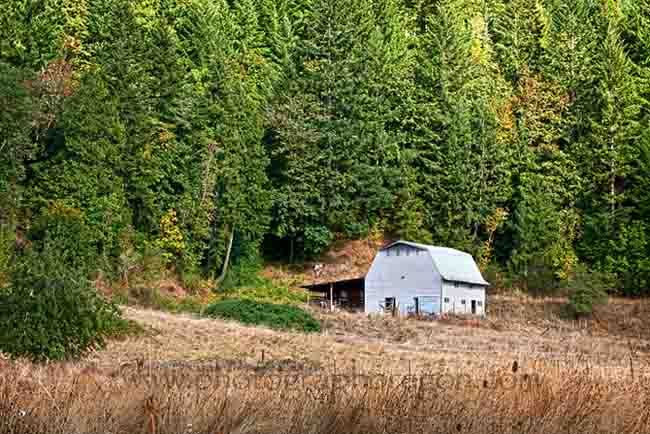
[277, 316]
[126, 328]
[267, 292]
[244, 281]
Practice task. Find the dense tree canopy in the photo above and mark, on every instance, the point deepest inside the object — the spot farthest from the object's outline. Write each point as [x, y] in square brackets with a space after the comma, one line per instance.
[516, 130]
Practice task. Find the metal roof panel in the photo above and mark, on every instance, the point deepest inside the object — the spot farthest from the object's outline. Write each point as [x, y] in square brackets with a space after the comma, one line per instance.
[453, 265]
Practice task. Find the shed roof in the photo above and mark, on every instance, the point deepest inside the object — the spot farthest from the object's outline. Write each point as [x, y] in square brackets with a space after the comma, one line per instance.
[453, 265]
[335, 284]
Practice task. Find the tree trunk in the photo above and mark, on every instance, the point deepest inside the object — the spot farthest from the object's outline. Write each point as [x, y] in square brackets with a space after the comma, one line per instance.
[291, 247]
[226, 261]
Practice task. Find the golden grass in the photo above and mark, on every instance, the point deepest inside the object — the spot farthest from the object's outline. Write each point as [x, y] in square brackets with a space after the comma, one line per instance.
[150, 398]
[385, 344]
[361, 375]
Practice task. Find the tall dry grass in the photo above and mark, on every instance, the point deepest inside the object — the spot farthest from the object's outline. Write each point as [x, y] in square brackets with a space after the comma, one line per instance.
[148, 398]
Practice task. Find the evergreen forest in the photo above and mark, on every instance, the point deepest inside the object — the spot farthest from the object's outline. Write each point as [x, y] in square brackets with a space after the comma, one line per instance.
[210, 135]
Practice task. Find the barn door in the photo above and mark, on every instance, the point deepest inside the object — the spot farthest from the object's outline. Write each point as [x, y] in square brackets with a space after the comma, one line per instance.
[473, 307]
[427, 305]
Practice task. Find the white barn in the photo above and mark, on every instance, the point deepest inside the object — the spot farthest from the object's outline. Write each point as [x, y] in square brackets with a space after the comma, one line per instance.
[417, 278]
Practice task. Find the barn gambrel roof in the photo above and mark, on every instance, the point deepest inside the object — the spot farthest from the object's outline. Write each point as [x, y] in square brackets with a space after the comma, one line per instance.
[453, 265]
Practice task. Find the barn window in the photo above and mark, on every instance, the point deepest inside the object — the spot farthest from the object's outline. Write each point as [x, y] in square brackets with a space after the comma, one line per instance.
[455, 284]
[462, 302]
[446, 299]
[479, 303]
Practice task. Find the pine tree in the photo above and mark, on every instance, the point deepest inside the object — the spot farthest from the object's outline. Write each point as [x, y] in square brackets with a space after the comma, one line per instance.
[613, 146]
[468, 177]
[616, 127]
[569, 59]
[77, 169]
[237, 87]
[336, 138]
[16, 145]
[520, 35]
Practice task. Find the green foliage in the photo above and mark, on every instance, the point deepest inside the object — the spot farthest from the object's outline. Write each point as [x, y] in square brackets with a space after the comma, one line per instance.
[155, 130]
[15, 143]
[171, 238]
[276, 316]
[7, 243]
[621, 251]
[337, 123]
[466, 160]
[587, 290]
[152, 298]
[124, 329]
[317, 238]
[266, 291]
[65, 229]
[544, 230]
[51, 310]
[244, 281]
[245, 268]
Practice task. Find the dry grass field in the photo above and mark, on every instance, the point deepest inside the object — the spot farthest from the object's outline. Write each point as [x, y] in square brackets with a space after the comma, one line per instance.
[73, 399]
[526, 330]
[523, 370]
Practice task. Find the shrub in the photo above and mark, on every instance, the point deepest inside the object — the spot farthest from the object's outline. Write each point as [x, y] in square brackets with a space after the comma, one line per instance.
[539, 277]
[269, 292]
[153, 266]
[501, 280]
[588, 289]
[171, 240]
[52, 310]
[152, 298]
[192, 281]
[244, 272]
[278, 316]
[245, 281]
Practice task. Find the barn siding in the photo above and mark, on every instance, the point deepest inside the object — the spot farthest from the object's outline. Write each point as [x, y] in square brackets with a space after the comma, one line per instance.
[465, 292]
[403, 272]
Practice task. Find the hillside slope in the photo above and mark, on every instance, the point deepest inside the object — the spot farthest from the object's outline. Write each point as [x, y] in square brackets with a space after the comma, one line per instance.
[369, 344]
[345, 259]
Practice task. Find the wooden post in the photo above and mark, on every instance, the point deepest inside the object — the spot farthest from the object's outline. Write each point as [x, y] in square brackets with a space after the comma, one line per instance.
[331, 297]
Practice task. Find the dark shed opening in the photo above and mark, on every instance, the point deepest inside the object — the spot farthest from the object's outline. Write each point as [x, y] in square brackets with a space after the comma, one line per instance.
[346, 294]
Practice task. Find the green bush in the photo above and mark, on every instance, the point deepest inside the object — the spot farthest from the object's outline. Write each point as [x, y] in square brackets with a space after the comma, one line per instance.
[245, 281]
[587, 289]
[278, 316]
[269, 292]
[244, 271]
[52, 311]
